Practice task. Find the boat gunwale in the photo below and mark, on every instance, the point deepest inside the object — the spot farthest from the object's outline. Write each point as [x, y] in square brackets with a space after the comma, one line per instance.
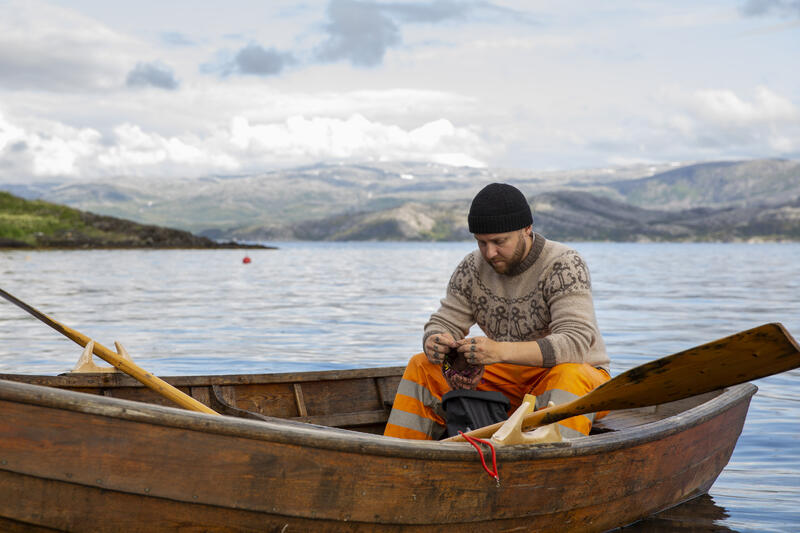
[298, 433]
[119, 379]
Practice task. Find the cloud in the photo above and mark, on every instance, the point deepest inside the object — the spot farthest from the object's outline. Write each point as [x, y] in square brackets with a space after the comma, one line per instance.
[10, 134]
[174, 38]
[257, 60]
[357, 31]
[437, 11]
[50, 149]
[55, 150]
[726, 109]
[152, 75]
[136, 152]
[44, 47]
[253, 60]
[355, 138]
[783, 8]
[680, 125]
[362, 31]
[721, 123]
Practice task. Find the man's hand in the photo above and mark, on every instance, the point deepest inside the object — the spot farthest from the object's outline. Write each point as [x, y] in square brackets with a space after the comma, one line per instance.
[459, 374]
[482, 350]
[437, 345]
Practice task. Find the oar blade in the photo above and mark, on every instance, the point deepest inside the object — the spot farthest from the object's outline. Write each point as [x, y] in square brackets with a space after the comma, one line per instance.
[742, 357]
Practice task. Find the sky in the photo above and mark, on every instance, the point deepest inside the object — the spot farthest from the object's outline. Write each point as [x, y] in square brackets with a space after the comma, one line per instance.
[92, 89]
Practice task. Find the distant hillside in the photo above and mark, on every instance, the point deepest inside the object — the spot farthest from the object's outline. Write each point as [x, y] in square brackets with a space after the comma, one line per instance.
[410, 200]
[723, 184]
[291, 196]
[39, 224]
[560, 215]
[577, 216]
[409, 222]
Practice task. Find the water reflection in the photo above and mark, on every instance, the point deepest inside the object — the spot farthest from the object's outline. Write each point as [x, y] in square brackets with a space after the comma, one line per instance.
[701, 514]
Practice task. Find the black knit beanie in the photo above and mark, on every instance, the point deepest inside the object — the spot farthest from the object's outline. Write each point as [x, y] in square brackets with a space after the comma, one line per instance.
[499, 208]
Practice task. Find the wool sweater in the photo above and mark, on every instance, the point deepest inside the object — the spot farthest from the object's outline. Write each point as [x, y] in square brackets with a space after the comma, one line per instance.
[547, 299]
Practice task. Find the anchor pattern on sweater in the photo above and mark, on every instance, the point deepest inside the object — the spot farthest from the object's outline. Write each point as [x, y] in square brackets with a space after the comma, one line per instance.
[524, 318]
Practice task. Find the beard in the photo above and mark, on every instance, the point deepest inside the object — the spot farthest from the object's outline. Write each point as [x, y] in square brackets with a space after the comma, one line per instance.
[506, 265]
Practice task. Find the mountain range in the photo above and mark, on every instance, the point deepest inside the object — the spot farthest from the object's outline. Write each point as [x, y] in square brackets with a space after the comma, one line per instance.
[731, 200]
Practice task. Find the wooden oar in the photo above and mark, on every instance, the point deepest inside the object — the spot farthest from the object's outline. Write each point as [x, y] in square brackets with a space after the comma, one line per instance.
[745, 356]
[129, 367]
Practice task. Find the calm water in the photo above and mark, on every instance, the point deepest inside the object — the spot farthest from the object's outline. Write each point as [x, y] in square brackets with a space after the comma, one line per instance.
[324, 306]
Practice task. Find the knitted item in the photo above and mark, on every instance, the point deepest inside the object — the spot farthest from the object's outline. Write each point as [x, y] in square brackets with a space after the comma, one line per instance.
[458, 373]
[499, 208]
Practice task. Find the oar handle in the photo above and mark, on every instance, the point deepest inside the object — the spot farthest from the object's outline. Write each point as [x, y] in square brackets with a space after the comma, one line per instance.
[135, 371]
[147, 378]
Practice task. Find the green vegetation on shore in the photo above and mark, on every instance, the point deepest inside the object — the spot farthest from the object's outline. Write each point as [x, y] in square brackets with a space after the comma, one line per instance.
[25, 223]
[40, 224]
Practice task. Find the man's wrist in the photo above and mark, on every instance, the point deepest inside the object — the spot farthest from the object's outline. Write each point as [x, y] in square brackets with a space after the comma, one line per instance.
[508, 352]
[521, 353]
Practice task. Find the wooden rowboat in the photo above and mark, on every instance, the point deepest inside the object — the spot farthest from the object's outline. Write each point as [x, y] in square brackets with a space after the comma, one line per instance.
[302, 452]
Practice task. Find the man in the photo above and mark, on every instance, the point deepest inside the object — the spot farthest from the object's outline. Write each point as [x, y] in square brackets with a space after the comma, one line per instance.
[532, 298]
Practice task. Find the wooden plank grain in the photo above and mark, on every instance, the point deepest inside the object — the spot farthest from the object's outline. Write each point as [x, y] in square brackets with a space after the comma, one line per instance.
[337, 487]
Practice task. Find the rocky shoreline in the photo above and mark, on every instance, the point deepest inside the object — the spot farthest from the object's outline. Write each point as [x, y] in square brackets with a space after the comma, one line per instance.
[38, 225]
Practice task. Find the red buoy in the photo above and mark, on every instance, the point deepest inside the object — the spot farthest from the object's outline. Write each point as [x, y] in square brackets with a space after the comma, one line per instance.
[246, 260]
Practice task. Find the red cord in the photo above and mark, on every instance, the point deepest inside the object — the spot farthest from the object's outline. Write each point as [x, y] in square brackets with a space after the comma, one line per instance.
[474, 441]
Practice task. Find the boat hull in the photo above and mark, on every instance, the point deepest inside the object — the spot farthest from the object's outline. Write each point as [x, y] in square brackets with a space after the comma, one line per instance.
[79, 462]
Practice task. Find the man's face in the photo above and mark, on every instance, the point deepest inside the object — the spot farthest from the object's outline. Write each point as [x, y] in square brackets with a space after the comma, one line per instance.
[503, 251]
